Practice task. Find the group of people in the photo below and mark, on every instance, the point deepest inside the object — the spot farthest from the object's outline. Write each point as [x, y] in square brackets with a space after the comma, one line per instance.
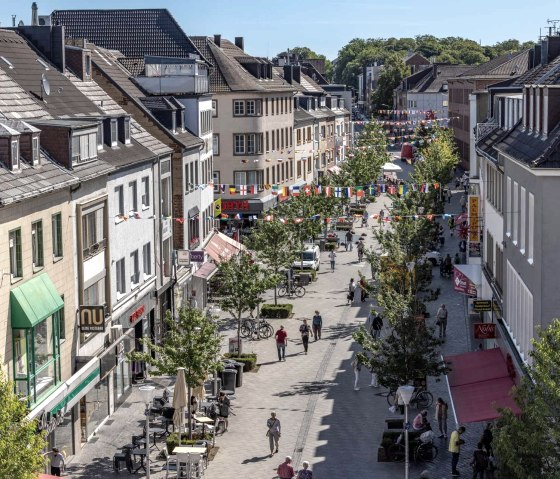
[305, 331]
[482, 459]
[285, 470]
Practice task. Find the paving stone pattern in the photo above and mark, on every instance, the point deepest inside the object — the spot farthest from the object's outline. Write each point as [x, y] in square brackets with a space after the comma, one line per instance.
[324, 421]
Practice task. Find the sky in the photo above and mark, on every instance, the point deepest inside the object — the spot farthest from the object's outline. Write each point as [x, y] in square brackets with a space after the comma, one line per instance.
[325, 26]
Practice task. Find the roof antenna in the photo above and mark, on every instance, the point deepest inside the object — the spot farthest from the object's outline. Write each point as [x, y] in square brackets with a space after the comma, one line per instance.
[45, 87]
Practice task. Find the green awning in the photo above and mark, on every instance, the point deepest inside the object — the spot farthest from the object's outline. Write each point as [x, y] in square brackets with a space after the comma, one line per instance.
[33, 302]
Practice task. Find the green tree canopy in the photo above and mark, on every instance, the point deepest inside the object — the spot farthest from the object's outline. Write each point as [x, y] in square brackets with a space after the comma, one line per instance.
[394, 70]
[20, 444]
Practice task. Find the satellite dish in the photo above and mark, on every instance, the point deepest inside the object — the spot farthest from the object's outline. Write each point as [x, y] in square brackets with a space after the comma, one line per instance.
[45, 85]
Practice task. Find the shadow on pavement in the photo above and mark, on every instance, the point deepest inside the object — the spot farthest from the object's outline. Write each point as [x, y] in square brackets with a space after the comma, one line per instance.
[255, 459]
[306, 388]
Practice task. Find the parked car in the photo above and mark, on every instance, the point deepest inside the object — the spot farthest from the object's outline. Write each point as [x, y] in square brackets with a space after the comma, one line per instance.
[309, 258]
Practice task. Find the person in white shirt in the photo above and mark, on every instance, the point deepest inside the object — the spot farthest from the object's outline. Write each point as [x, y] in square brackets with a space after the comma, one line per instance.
[332, 258]
[428, 436]
[57, 461]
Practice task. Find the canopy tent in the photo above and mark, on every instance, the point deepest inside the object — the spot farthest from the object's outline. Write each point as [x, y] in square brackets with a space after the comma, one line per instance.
[479, 383]
[391, 167]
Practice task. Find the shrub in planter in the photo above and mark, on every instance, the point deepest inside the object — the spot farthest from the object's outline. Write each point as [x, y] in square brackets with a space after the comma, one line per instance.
[249, 360]
[172, 440]
[276, 310]
[310, 272]
[330, 246]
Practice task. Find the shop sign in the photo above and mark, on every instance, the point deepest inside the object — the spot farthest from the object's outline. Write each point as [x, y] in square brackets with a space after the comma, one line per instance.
[92, 319]
[474, 249]
[235, 205]
[473, 219]
[48, 422]
[137, 314]
[462, 284]
[197, 256]
[484, 330]
[482, 305]
[183, 257]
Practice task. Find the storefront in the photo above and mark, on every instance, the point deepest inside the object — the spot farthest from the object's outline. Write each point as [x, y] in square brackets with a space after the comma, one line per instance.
[35, 310]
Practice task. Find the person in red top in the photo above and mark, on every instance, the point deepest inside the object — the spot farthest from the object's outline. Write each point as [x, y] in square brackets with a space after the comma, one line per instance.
[281, 343]
[285, 470]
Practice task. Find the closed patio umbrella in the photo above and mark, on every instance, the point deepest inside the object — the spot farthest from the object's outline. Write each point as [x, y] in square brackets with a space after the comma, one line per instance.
[180, 400]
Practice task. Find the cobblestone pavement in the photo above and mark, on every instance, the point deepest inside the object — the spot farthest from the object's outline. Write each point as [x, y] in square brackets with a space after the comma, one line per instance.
[324, 421]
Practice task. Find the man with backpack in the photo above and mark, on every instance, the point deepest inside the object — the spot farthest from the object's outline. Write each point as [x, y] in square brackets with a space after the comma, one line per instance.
[376, 324]
[479, 462]
[441, 320]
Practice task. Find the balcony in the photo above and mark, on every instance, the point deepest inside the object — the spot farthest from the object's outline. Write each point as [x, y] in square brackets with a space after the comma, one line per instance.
[94, 249]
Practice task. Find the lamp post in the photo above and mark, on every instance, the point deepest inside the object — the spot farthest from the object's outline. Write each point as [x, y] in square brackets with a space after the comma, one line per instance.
[147, 396]
[405, 392]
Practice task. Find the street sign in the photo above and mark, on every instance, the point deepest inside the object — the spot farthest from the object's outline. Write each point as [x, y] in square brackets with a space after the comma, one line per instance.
[92, 319]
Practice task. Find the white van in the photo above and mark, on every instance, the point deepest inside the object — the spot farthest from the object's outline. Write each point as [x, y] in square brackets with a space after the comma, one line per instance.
[310, 258]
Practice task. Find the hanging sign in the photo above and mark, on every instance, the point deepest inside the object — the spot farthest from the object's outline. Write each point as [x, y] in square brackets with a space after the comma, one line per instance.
[485, 330]
[92, 319]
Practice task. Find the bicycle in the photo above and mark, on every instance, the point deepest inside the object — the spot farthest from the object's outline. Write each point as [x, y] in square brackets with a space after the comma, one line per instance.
[250, 327]
[422, 398]
[425, 452]
[291, 290]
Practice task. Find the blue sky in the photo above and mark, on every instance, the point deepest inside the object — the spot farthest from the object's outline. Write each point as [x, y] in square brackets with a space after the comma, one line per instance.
[270, 26]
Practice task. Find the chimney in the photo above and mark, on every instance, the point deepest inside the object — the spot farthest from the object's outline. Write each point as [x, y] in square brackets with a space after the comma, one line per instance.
[240, 43]
[13, 21]
[289, 73]
[34, 14]
[218, 40]
[296, 73]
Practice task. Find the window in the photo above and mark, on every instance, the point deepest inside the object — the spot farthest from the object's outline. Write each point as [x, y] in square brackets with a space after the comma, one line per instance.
[166, 196]
[121, 281]
[134, 269]
[214, 108]
[147, 260]
[94, 295]
[238, 108]
[15, 154]
[133, 196]
[216, 178]
[166, 257]
[84, 147]
[93, 233]
[100, 135]
[508, 207]
[145, 192]
[60, 322]
[267, 142]
[16, 267]
[56, 222]
[114, 132]
[88, 65]
[251, 144]
[523, 209]
[187, 178]
[215, 144]
[37, 244]
[35, 152]
[119, 199]
[126, 131]
[247, 143]
[205, 122]
[531, 229]
[515, 211]
[191, 167]
[196, 168]
[254, 177]
[239, 144]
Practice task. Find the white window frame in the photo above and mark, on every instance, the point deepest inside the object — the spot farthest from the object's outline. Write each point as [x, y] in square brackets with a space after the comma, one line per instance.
[145, 192]
[37, 245]
[238, 107]
[216, 144]
[239, 147]
[35, 150]
[15, 153]
[15, 250]
[114, 132]
[133, 196]
[531, 229]
[134, 270]
[508, 207]
[147, 260]
[251, 107]
[119, 201]
[57, 241]
[120, 278]
[126, 126]
[523, 211]
[515, 212]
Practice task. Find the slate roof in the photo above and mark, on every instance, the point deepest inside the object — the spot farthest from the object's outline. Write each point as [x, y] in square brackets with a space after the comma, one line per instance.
[509, 64]
[531, 150]
[302, 116]
[437, 77]
[15, 102]
[64, 100]
[486, 145]
[228, 73]
[306, 85]
[107, 62]
[548, 74]
[108, 106]
[134, 32]
[135, 65]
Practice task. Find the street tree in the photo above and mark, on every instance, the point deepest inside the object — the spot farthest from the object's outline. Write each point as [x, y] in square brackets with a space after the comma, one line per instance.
[527, 444]
[20, 443]
[410, 353]
[394, 70]
[275, 245]
[191, 341]
[240, 283]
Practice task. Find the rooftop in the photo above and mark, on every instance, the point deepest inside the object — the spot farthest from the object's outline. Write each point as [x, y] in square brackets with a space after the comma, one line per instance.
[507, 65]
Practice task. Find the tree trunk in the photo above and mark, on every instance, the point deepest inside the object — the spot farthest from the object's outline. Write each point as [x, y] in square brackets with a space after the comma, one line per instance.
[189, 414]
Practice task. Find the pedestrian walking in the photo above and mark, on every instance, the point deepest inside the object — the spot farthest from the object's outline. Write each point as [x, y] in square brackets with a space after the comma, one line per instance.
[356, 367]
[223, 408]
[441, 417]
[304, 473]
[449, 195]
[441, 320]
[363, 289]
[349, 237]
[374, 383]
[351, 291]
[463, 203]
[451, 224]
[381, 218]
[273, 432]
[304, 329]
[479, 462]
[332, 258]
[281, 342]
[361, 248]
[487, 438]
[365, 217]
[317, 324]
[57, 461]
[455, 443]
[376, 323]
[285, 470]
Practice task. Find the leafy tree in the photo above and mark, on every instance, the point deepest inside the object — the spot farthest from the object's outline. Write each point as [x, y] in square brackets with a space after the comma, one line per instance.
[191, 342]
[394, 70]
[439, 158]
[527, 445]
[20, 444]
[240, 282]
[275, 245]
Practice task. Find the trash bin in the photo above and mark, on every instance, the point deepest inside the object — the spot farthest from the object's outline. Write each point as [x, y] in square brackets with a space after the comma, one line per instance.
[322, 245]
[229, 379]
[304, 279]
[209, 386]
[239, 369]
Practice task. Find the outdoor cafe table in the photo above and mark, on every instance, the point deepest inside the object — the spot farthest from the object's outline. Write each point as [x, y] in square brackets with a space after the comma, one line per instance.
[189, 450]
[142, 454]
[204, 421]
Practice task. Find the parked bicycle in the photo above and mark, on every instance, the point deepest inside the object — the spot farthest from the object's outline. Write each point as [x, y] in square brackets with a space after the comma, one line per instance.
[261, 329]
[420, 451]
[421, 398]
[291, 289]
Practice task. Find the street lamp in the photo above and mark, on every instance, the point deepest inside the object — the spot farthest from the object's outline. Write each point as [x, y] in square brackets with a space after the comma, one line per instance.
[147, 393]
[405, 392]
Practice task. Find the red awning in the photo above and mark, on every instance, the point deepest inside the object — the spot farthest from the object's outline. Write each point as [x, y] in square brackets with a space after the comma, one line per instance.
[206, 271]
[479, 384]
[46, 476]
[221, 247]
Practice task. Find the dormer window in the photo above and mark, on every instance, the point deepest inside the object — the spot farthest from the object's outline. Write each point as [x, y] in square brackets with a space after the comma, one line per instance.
[124, 130]
[100, 136]
[87, 65]
[113, 132]
[15, 153]
[84, 147]
[35, 150]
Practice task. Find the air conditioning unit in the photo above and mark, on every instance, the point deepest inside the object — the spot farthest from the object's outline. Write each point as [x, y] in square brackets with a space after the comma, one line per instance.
[116, 332]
